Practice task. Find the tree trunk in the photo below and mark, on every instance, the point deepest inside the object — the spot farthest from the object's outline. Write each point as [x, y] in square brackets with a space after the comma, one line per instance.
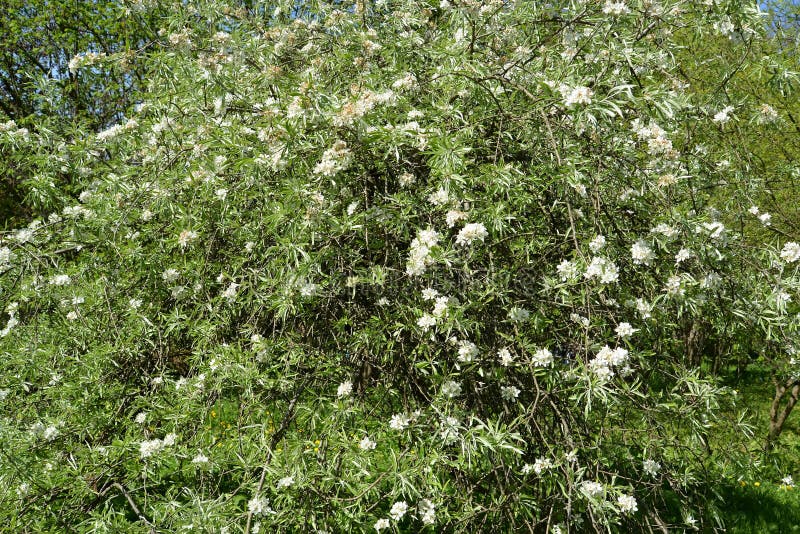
[778, 416]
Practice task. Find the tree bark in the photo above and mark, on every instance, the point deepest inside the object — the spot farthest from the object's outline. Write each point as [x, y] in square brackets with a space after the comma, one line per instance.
[778, 416]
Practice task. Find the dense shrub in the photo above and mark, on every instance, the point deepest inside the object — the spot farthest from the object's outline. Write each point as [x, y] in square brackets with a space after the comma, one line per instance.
[446, 266]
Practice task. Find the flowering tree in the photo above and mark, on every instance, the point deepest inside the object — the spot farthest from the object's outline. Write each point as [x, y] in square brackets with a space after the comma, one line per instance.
[391, 265]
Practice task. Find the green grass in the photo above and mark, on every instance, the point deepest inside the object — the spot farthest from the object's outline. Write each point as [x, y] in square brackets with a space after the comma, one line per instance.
[754, 500]
[769, 507]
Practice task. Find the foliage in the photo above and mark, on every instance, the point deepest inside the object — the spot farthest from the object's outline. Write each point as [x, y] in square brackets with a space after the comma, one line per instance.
[444, 266]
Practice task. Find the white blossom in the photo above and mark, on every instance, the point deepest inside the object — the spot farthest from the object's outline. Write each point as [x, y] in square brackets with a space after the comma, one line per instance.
[615, 8]
[398, 510]
[591, 488]
[285, 482]
[723, 116]
[790, 252]
[505, 357]
[344, 389]
[541, 465]
[399, 422]
[597, 244]
[577, 95]
[509, 393]
[366, 444]
[451, 389]
[625, 330]
[426, 511]
[470, 233]
[651, 467]
[542, 358]
[641, 253]
[567, 270]
[467, 351]
[627, 504]
[200, 458]
[259, 506]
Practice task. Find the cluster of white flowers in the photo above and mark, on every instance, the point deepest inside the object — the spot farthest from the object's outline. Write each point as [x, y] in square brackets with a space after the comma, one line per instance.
[788, 481]
[625, 330]
[351, 111]
[419, 255]
[567, 270]
[47, 433]
[767, 113]
[398, 510]
[453, 216]
[509, 393]
[606, 360]
[467, 351]
[790, 252]
[186, 237]
[715, 229]
[440, 197]
[542, 358]
[723, 115]
[200, 458]
[60, 280]
[641, 253]
[470, 233]
[505, 357]
[285, 482]
[627, 504]
[449, 430]
[426, 511]
[11, 309]
[344, 389]
[651, 467]
[440, 306]
[451, 389]
[576, 95]
[110, 133]
[541, 465]
[8, 126]
[592, 489]
[229, 293]
[602, 268]
[170, 276]
[154, 446]
[406, 179]
[334, 160]
[724, 26]
[426, 322]
[597, 244]
[259, 506]
[367, 444]
[665, 230]
[6, 257]
[683, 255]
[615, 8]
[674, 286]
[408, 81]
[84, 60]
[399, 422]
[655, 136]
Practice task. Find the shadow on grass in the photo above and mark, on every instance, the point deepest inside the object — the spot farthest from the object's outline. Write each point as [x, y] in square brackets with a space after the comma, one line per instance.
[752, 509]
